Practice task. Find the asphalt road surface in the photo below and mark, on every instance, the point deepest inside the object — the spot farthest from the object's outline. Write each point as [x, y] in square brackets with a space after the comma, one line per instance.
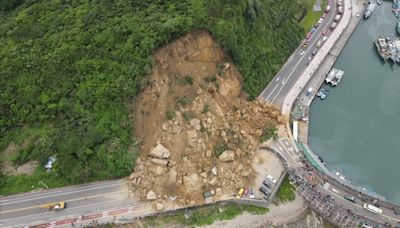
[80, 199]
[276, 91]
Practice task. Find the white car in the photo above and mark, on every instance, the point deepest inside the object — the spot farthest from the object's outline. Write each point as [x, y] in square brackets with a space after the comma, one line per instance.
[324, 38]
[271, 179]
[320, 20]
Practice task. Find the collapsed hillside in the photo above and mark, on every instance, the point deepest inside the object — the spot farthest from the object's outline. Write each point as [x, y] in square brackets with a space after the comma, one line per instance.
[197, 130]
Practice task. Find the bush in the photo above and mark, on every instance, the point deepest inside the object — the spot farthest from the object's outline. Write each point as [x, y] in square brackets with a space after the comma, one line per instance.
[219, 148]
[268, 132]
[170, 114]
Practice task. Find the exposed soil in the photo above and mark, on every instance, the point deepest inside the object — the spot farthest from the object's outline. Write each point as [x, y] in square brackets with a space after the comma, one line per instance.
[197, 130]
[6, 165]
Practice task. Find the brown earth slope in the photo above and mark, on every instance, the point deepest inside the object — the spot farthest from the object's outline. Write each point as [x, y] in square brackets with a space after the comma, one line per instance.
[196, 129]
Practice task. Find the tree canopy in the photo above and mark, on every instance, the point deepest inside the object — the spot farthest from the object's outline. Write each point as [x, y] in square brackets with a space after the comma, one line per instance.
[69, 69]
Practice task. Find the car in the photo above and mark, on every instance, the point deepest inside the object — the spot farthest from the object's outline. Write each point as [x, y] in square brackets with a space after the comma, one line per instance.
[324, 15]
[246, 192]
[324, 38]
[271, 179]
[251, 193]
[319, 43]
[350, 198]
[313, 29]
[240, 193]
[302, 53]
[325, 31]
[264, 190]
[314, 52]
[333, 25]
[267, 184]
[308, 35]
[320, 20]
[305, 44]
[358, 14]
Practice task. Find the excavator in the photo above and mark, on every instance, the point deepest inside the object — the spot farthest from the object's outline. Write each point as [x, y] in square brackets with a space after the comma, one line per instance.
[56, 206]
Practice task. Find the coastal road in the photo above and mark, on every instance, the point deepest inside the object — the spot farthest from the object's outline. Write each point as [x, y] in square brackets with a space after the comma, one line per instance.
[276, 91]
[286, 149]
[24, 208]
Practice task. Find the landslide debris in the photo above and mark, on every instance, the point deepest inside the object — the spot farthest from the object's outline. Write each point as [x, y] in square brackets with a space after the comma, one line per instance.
[197, 129]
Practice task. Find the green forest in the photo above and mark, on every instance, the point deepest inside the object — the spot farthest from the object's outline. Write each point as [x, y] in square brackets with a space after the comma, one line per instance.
[69, 70]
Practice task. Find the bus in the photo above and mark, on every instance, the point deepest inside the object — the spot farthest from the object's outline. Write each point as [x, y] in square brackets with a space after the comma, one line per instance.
[295, 130]
[372, 209]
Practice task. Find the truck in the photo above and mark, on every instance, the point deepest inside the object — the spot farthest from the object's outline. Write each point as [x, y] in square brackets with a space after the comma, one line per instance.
[56, 206]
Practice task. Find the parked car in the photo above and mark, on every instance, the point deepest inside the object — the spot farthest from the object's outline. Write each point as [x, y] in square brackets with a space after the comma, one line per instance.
[324, 38]
[271, 179]
[320, 20]
[267, 184]
[264, 190]
[319, 43]
[308, 35]
[240, 193]
[325, 31]
[251, 193]
[333, 25]
[324, 15]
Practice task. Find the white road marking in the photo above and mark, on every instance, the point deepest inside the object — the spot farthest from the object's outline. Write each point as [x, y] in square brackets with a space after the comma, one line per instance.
[53, 194]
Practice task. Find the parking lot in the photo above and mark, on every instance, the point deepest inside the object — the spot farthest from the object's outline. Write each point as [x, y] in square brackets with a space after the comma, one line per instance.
[266, 163]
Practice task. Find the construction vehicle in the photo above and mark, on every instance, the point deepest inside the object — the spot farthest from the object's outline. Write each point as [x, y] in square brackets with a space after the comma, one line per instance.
[54, 206]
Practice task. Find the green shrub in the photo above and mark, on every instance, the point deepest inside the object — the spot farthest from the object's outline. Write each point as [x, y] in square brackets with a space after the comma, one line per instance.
[170, 114]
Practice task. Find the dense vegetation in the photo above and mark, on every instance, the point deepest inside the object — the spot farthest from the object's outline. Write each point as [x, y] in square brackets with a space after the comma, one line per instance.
[286, 192]
[69, 70]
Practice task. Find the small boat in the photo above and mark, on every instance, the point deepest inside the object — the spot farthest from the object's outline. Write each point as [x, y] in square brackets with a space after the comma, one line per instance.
[331, 75]
[379, 2]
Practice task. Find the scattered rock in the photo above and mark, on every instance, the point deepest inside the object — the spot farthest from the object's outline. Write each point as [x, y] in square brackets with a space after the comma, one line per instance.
[218, 192]
[203, 174]
[159, 206]
[159, 161]
[151, 195]
[227, 155]
[208, 153]
[195, 123]
[172, 176]
[160, 152]
[157, 170]
[214, 171]
[165, 127]
[214, 181]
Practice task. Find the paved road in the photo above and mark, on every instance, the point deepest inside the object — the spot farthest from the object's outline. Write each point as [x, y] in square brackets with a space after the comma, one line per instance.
[25, 208]
[276, 91]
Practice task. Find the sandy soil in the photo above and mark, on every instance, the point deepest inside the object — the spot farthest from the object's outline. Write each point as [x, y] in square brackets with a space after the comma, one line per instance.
[8, 168]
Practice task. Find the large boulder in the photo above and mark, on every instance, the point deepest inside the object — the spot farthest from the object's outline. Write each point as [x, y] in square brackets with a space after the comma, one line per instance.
[227, 155]
[151, 195]
[172, 176]
[192, 182]
[160, 152]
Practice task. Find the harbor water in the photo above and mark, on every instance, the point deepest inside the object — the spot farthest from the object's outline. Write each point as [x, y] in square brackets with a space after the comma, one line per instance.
[356, 129]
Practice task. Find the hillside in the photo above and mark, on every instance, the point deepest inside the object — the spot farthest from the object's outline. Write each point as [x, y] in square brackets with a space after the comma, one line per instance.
[69, 70]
